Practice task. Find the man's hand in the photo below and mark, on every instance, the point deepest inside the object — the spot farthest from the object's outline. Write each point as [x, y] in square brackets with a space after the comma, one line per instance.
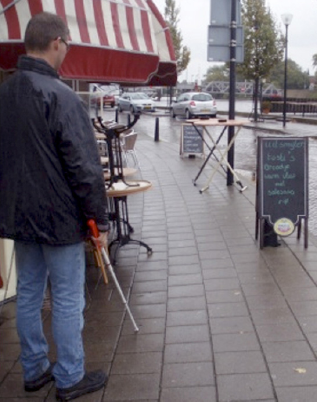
[102, 240]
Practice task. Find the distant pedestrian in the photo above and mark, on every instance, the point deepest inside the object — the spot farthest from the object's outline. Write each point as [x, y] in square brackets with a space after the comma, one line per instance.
[51, 183]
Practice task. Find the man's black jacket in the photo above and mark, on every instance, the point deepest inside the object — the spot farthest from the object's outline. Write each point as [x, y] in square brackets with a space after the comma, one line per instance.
[51, 180]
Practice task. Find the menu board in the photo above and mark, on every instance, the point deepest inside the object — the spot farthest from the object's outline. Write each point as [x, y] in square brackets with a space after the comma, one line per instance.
[191, 140]
[283, 181]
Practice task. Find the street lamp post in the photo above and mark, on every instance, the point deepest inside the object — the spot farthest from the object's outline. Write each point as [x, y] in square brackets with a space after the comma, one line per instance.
[287, 19]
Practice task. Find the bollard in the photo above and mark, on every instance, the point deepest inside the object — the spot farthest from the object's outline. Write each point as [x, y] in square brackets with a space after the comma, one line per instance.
[157, 130]
[128, 119]
[117, 115]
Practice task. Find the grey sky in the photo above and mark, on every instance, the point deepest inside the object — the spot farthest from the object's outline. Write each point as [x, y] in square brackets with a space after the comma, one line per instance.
[195, 18]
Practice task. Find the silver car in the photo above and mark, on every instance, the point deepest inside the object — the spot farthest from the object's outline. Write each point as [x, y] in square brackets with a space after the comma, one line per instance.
[194, 104]
[136, 102]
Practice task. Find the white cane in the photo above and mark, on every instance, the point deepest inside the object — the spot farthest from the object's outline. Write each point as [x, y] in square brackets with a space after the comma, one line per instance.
[95, 232]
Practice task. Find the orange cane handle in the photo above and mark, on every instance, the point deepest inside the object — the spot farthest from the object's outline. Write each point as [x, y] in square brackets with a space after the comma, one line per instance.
[93, 228]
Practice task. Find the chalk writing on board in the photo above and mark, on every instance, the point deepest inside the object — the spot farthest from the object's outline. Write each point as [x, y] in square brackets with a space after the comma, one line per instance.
[283, 178]
[192, 142]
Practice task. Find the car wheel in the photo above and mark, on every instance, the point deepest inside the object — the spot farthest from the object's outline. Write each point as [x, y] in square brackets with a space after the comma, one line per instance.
[173, 114]
[213, 116]
[131, 109]
[112, 105]
[188, 114]
[120, 109]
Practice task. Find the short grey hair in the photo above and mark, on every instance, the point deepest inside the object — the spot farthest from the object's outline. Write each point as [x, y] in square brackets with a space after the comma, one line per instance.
[42, 29]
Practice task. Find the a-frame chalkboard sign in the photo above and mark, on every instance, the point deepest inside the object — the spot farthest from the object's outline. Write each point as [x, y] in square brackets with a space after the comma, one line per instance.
[191, 140]
[282, 185]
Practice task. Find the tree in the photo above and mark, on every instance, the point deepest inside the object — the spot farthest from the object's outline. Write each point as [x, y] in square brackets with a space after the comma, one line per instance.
[296, 77]
[263, 43]
[217, 73]
[182, 53]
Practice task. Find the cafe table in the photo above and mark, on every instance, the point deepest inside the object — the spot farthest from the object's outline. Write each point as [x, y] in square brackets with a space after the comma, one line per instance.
[215, 150]
[118, 192]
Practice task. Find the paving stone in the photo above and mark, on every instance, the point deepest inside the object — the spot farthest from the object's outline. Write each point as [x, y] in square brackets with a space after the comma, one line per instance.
[227, 310]
[176, 318]
[144, 276]
[141, 343]
[304, 308]
[287, 351]
[244, 387]
[185, 291]
[187, 353]
[9, 353]
[240, 363]
[151, 265]
[189, 394]
[188, 375]
[296, 394]
[148, 298]
[279, 332]
[235, 342]
[180, 280]
[272, 315]
[149, 311]
[12, 387]
[219, 273]
[8, 335]
[225, 296]
[100, 333]
[182, 251]
[230, 325]
[146, 326]
[213, 254]
[293, 373]
[221, 284]
[215, 245]
[268, 300]
[132, 387]
[191, 333]
[100, 351]
[184, 269]
[181, 243]
[217, 263]
[186, 303]
[137, 363]
[188, 259]
[149, 286]
[5, 367]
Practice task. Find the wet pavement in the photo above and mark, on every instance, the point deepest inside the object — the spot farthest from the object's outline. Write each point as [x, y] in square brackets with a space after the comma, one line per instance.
[220, 320]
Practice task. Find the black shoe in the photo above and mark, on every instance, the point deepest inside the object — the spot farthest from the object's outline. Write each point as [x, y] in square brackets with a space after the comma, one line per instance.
[35, 385]
[91, 382]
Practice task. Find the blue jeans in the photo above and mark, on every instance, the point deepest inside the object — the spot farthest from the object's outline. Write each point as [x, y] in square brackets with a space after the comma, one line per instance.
[65, 267]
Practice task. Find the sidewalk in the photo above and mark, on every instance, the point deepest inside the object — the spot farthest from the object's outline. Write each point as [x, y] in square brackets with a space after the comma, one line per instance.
[220, 320]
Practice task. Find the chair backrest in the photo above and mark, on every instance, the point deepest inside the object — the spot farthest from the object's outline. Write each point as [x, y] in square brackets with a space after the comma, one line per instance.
[129, 141]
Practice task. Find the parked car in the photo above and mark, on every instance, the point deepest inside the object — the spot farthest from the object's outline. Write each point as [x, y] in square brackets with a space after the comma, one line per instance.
[194, 104]
[136, 102]
[107, 100]
[108, 93]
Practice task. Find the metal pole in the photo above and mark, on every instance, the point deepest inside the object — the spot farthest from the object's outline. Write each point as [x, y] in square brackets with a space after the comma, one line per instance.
[233, 44]
[157, 130]
[285, 77]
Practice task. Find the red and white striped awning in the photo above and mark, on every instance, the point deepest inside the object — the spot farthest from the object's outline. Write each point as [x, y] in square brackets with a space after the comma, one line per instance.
[124, 41]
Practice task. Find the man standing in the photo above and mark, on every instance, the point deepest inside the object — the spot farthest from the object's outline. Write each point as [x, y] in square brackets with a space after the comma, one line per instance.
[51, 183]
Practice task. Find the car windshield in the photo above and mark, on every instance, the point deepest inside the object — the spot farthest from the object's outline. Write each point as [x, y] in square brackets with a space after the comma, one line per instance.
[202, 97]
[139, 96]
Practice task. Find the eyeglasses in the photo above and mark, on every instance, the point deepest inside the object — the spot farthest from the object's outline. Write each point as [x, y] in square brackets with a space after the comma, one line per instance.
[66, 43]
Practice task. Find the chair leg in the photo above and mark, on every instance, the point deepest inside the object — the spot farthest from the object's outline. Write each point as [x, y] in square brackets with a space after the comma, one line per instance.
[135, 159]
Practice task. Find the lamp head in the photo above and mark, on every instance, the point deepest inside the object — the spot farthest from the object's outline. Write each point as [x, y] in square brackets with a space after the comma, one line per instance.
[287, 19]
